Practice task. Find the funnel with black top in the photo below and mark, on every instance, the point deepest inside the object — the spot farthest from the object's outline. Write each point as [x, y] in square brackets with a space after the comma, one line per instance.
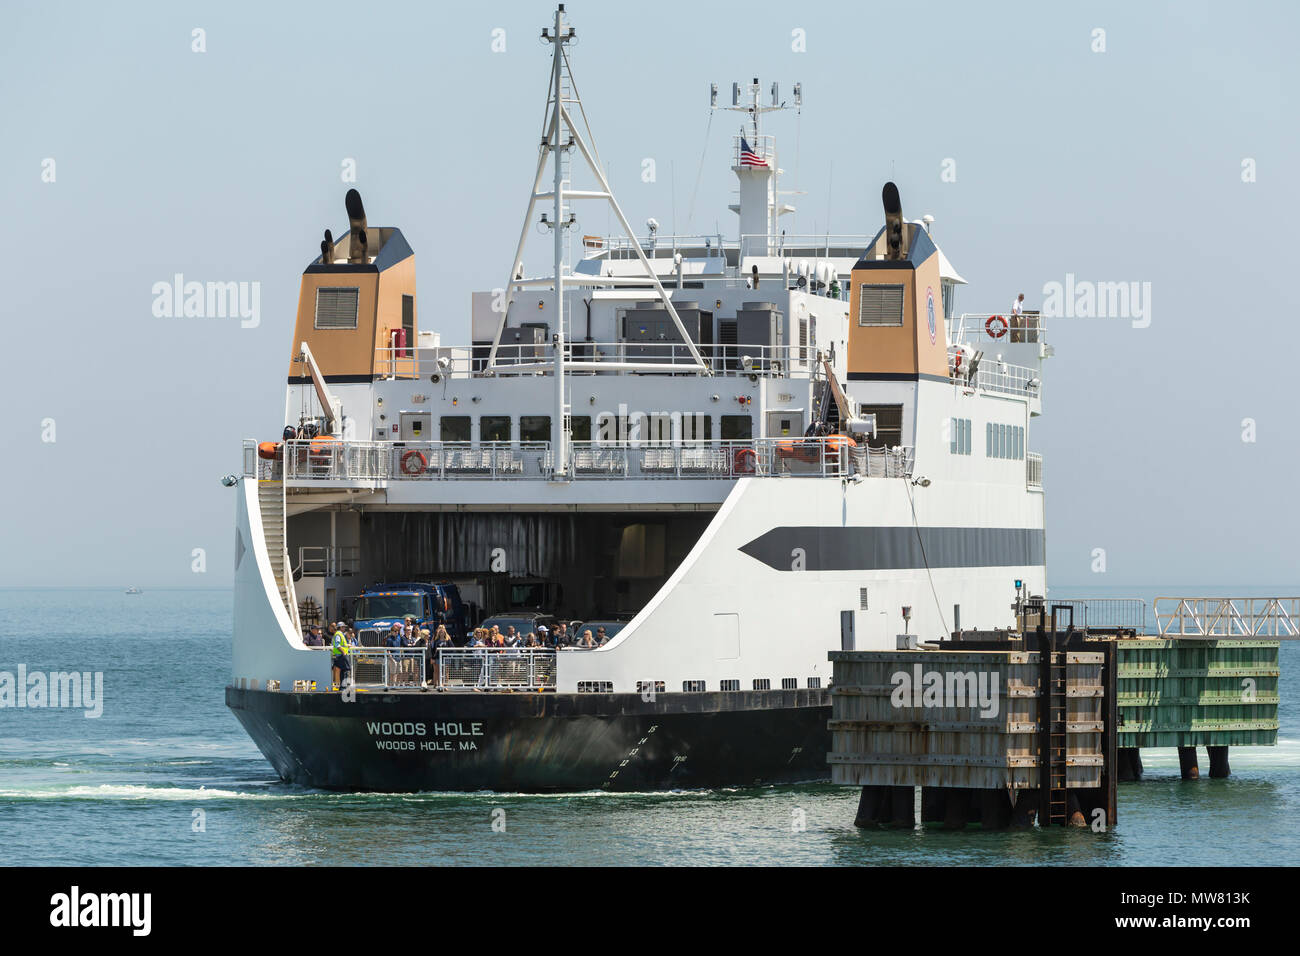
[357, 222]
[893, 222]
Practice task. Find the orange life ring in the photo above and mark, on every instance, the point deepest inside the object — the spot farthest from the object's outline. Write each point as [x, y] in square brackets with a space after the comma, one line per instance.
[744, 461]
[411, 456]
[1001, 324]
[268, 450]
[320, 451]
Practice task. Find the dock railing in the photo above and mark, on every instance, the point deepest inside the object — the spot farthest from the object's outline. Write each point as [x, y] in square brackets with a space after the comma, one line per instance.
[496, 668]
[1221, 618]
[1104, 613]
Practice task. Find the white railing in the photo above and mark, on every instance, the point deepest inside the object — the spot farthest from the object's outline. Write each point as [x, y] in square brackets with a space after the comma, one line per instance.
[1228, 617]
[388, 666]
[994, 376]
[806, 246]
[495, 460]
[636, 459]
[496, 668]
[328, 560]
[763, 146]
[980, 329]
[1033, 470]
[621, 247]
[768, 361]
[1007, 379]
[816, 457]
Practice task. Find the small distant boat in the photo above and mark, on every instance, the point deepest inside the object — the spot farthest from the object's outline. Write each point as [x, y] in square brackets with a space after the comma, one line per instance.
[134, 590]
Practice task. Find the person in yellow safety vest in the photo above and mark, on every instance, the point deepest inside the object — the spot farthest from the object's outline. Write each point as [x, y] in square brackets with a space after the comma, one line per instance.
[339, 648]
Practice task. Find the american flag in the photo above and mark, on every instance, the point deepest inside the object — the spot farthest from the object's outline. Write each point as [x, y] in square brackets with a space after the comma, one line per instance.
[748, 157]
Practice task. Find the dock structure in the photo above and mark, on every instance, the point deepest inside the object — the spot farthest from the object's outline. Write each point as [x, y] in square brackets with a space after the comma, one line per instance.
[1189, 693]
[1009, 727]
[995, 736]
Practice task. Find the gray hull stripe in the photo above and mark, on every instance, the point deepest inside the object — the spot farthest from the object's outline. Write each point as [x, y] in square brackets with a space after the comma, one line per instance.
[882, 549]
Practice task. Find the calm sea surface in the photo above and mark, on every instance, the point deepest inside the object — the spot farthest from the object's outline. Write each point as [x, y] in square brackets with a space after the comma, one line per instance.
[131, 786]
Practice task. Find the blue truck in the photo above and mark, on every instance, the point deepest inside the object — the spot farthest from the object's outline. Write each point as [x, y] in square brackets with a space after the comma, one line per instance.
[380, 606]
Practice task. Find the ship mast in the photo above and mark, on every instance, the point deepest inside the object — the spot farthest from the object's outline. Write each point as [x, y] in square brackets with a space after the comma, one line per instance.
[560, 424]
[561, 94]
[758, 206]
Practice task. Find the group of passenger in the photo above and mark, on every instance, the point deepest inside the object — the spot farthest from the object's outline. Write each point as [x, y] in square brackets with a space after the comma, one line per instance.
[408, 634]
[542, 637]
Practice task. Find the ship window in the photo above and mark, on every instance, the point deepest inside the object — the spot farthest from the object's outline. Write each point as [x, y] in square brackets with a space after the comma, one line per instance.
[889, 425]
[737, 427]
[1004, 441]
[730, 685]
[880, 305]
[454, 427]
[789, 683]
[959, 441]
[814, 683]
[581, 427]
[494, 428]
[697, 426]
[862, 599]
[336, 308]
[534, 427]
[762, 683]
[595, 687]
[649, 687]
[692, 686]
[638, 428]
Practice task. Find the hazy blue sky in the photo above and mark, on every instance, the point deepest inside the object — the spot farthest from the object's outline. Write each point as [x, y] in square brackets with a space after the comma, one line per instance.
[1123, 165]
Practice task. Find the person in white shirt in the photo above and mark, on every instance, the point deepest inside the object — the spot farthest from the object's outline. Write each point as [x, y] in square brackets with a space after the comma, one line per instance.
[1018, 306]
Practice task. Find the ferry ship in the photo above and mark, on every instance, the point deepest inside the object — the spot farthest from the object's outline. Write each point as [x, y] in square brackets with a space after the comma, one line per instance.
[752, 450]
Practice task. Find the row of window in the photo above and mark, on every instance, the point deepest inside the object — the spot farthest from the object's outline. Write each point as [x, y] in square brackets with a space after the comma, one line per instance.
[1004, 441]
[608, 428]
[959, 441]
[1000, 441]
[694, 686]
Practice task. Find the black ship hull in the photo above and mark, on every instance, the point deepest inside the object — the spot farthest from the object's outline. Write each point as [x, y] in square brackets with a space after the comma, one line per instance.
[538, 743]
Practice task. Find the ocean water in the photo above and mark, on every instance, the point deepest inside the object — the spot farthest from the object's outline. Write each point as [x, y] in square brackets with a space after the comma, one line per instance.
[167, 776]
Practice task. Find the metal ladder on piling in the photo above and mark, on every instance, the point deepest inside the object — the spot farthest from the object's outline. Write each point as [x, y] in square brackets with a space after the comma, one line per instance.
[1057, 714]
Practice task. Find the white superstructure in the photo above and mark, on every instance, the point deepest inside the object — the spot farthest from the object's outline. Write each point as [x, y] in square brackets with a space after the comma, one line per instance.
[748, 445]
